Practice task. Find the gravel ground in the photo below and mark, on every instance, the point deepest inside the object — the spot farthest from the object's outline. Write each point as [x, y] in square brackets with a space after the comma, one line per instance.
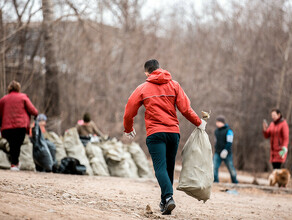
[30, 195]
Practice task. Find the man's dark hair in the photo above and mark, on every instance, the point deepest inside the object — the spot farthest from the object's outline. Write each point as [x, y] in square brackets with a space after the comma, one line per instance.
[86, 117]
[277, 111]
[151, 65]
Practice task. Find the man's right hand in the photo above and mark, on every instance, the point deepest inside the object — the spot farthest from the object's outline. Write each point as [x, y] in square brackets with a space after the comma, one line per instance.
[202, 126]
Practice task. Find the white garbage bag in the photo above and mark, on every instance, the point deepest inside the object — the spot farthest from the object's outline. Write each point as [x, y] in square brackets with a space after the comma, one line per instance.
[26, 156]
[132, 166]
[120, 162]
[4, 161]
[140, 159]
[4, 145]
[96, 159]
[74, 148]
[196, 177]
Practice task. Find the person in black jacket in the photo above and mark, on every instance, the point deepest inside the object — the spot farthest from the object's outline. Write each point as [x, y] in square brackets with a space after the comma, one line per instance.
[223, 149]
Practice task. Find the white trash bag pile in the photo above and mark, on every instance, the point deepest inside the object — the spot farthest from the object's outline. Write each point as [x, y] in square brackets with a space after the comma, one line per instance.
[107, 158]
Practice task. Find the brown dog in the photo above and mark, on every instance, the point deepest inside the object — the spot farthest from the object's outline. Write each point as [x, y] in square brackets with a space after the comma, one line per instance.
[280, 176]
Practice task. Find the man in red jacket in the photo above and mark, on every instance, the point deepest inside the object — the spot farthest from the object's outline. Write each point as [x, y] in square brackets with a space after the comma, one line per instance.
[160, 96]
[15, 111]
[278, 132]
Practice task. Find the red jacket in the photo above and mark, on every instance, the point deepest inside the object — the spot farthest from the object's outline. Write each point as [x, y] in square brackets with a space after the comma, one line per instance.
[278, 132]
[160, 95]
[15, 111]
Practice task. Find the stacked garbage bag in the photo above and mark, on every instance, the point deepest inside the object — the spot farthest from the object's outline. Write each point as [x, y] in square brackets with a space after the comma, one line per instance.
[50, 152]
[25, 158]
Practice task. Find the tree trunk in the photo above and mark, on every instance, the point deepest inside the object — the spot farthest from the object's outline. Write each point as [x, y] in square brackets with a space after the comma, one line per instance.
[52, 95]
[283, 71]
[2, 58]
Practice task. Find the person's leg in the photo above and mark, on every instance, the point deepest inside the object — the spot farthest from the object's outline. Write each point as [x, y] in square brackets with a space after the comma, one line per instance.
[156, 144]
[277, 165]
[171, 150]
[167, 203]
[217, 163]
[15, 138]
[229, 163]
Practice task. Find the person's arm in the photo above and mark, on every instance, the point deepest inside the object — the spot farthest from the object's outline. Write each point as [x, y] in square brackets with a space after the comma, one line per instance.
[229, 139]
[267, 132]
[184, 106]
[285, 134]
[227, 148]
[131, 109]
[30, 107]
[96, 130]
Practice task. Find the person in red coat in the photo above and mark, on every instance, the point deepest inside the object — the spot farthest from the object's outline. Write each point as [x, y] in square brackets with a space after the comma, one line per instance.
[15, 111]
[160, 96]
[278, 132]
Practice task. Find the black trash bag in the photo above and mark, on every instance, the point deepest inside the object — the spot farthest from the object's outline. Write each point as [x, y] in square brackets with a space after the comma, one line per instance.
[71, 165]
[52, 148]
[41, 154]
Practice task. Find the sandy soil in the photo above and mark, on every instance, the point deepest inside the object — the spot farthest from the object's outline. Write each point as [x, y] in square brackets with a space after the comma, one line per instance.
[29, 195]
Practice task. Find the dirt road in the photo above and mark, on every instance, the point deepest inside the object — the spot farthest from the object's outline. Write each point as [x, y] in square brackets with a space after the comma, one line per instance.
[29, 195]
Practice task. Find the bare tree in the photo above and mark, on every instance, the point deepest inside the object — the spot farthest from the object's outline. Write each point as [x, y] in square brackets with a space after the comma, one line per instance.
[227, 60]
[2, 57]
[283, 71]
[52, 95]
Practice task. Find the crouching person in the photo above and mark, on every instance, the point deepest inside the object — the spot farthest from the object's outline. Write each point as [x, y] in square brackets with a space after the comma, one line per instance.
[160, 96]
[88, 130]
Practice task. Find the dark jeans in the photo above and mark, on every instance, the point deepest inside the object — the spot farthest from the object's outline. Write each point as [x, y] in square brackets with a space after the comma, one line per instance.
[163, 147]
[228, 162]
[277, 165]
[15, 138]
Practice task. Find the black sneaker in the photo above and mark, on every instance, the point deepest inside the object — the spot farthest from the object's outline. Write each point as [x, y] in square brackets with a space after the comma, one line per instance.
[169, 206]
[161, 206]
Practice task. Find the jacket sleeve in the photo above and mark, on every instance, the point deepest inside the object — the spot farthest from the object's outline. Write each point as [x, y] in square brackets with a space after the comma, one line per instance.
[30, 107]
[285, 135]
[267, 133]
[184, 106]
[131, 109]
[229, 140]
